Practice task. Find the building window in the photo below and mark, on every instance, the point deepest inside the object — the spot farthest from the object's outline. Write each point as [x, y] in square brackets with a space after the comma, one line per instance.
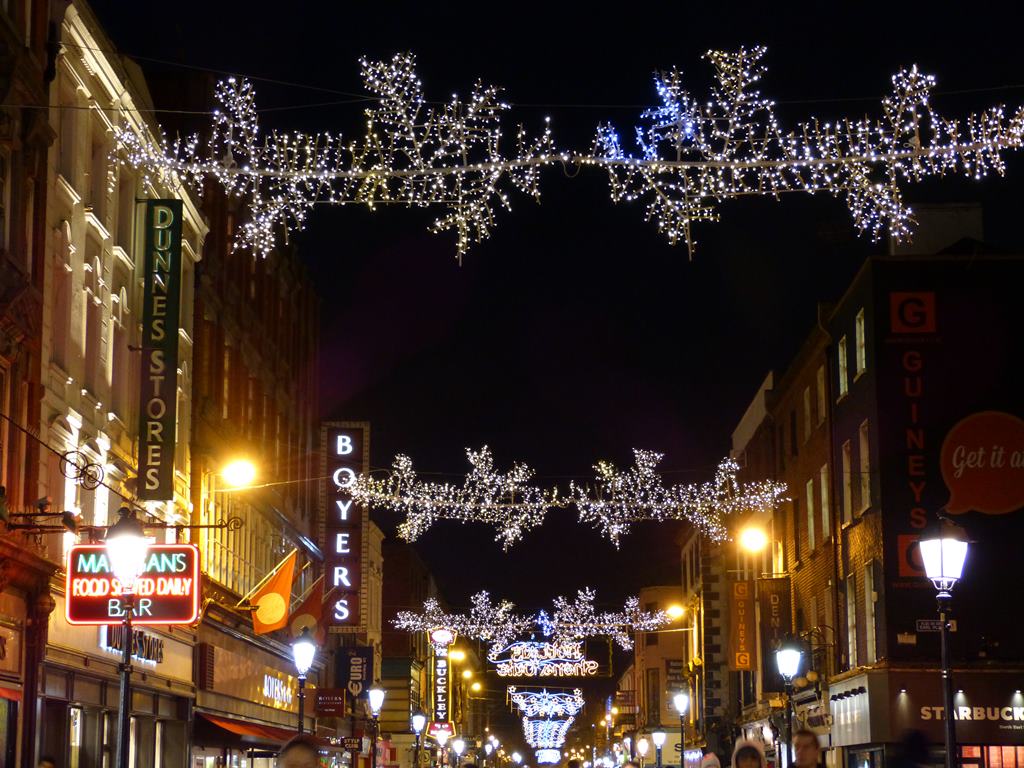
[859, 337]
[93, 311]
[869, 613]
[5, 198]
[225, 390]
[843, 374]
[807, 414]
[865, 467]
[812, 613]
[120, 375]
[826, 523]
[653, 696]
[75, 723]
[847, 481]
[782, 450]
[851, 620]
[796, 530]
[792, 433]
[821, 394]
[810, 514]
[68, 120]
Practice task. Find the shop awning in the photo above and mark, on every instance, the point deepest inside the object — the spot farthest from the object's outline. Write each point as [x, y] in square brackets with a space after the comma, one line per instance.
[249, 732]
[9, 693]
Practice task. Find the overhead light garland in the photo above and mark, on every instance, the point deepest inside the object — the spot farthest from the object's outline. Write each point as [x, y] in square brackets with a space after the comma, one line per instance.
[692, 154]
[494, 623]
[513, 506]
[545, 733]
[498, 624]
[546, 703]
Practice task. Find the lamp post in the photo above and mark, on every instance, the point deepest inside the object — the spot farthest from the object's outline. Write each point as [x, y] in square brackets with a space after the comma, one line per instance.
[126, 546]
[419, 722]
[488, 748]
[458, 747]
[442, 739]
[376, 696]
[681, 701]
[943, 552]
[642, 745]
[787, 659]
[303, 651]
[658, 737]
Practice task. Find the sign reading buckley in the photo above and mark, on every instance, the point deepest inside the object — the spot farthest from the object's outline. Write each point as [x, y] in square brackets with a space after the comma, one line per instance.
[346, 449]
[161, 299]
[167, 593]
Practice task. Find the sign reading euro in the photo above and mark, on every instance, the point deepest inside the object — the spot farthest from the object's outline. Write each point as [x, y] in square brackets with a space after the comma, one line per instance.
[167, 593]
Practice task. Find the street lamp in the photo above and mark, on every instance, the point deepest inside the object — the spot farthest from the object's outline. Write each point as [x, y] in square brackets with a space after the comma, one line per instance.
[458, 747]
[303, 651]
[681, 701]
[517, 758]
[376, 696]
[442, 739]
[239, 473]
[943, 552]
[488, 748]
[642, 745]
[658, 737]
[126, 547]
[419, 722]
[787, 659]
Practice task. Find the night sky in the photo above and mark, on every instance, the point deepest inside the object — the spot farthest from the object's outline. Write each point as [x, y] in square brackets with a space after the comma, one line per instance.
[577, 333]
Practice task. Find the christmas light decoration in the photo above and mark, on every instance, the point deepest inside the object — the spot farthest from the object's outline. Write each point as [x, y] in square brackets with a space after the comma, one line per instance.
[548, 756]
[692, 154]
[579, 620]
[546, 734]
[529, 658]
[544, 703]
[639, 494]
[497, 624]
[505, 500]
[513, 506]
[486, 621]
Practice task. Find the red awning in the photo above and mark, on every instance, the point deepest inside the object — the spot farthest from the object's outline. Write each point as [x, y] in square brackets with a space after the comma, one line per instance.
[10, 694]
[252, 732]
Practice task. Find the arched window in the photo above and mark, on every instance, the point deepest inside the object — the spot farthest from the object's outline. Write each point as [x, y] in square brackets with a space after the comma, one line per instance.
[61, 326]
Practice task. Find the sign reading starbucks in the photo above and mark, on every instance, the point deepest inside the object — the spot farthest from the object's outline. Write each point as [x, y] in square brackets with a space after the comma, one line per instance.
[161, 299]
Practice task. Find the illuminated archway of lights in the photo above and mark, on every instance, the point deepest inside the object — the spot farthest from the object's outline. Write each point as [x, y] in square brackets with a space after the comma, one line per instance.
[617, 499]
[692, 153]
[570, 621]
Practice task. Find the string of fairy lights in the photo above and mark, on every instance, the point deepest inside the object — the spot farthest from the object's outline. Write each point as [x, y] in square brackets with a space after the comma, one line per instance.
[691, 155]
[498, 624]
[509, 502]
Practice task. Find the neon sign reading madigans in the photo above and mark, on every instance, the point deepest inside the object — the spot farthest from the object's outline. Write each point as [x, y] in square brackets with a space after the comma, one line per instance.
[529, 658]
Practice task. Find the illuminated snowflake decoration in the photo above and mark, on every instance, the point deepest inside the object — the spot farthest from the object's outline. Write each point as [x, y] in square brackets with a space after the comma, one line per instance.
[691, 154]
[579, 620]
[498, 624]
[544, 703]
[505, 500]
[638, 493]
[546, 734]
[494, 623]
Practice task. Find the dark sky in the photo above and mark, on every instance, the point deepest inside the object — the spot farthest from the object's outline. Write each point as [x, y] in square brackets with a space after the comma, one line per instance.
[577, 333]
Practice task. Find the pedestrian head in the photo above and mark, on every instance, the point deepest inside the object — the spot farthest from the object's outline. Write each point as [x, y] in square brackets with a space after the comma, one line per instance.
[748, 754]
[806, 749]
[710, 760]
[46, 762]
[301, 752]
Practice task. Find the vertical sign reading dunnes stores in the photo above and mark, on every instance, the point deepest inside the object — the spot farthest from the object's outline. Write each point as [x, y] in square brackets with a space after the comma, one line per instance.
[346, 455]
[161, 299]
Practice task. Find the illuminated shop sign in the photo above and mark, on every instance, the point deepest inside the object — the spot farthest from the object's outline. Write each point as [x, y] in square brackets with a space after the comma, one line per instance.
[345, 447]
[167, 593]
[146, 648]
[542, 659]
[161, 299]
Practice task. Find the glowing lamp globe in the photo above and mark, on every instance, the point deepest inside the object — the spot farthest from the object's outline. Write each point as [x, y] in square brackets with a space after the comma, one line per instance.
[376, 696]
[239, 473]
[787, 659]
[753, 539]
[127, 547]
[642, 745]
[658, 737]
[517, 758]
[943, 552]
[442, 737]
[419, 722]
[458, 747]
[681, 701]
[303, 651]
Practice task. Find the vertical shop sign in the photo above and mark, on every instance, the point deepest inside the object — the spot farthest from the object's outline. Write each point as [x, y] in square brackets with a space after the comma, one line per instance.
[345, 450]
[741, 626]
[775, 622]
[161, 300]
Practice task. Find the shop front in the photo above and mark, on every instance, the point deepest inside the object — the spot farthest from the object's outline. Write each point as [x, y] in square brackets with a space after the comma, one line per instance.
[872, 712]
[78, 705]
[247, 701]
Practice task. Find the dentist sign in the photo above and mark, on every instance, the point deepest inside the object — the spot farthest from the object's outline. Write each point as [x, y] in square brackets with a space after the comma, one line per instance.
[346, 455]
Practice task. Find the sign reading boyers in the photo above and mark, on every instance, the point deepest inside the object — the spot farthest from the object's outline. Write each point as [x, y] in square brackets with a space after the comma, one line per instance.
[167, 593]
[161, 297]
